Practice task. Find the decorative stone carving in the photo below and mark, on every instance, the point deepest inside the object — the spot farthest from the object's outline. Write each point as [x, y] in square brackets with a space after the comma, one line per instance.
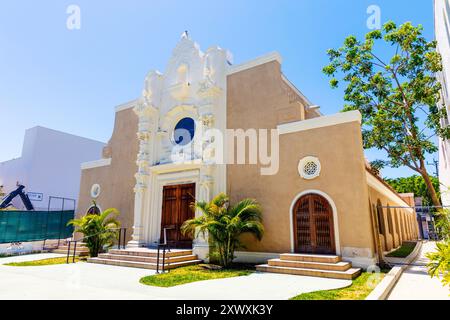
[208, 89]
[207, 120]
[144, 112]
[309, 168]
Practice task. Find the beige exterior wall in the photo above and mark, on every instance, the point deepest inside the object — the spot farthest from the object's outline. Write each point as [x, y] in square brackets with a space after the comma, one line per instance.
[395, 222]
[255, 98]
[116, 180]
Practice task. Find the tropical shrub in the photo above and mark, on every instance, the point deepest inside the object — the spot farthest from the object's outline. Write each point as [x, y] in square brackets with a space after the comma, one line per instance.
[224, 224]
[439, 265]
[100, 231]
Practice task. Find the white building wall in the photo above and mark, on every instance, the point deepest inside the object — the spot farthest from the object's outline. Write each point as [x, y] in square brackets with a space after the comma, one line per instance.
[442, 31]
[50, 164]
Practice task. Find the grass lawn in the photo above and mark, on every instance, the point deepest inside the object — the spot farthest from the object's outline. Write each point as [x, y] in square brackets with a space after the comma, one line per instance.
[192, 274]
[404, 251]
[42, 262]
[361, 287]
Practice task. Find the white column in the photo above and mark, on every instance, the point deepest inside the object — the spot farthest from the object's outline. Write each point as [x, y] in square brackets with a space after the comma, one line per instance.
[206, 183]
[144, 134]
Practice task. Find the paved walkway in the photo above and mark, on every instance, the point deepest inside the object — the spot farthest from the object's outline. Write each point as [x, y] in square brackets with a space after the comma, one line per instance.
[94, 281]
[416, 284]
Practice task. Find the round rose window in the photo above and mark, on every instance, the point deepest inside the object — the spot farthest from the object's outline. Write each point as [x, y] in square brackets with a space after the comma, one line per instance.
[184, 131]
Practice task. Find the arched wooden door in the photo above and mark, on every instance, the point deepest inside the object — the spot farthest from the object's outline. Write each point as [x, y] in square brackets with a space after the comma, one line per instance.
[175, 211]
[313, 225]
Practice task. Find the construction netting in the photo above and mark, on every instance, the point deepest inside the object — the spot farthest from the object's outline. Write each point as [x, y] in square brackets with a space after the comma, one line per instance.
[23, 226]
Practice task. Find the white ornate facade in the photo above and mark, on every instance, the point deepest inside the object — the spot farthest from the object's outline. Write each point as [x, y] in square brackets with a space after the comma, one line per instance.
[193, 86]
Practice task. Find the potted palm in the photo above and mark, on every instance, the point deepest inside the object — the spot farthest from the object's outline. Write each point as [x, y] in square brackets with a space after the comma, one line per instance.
[224, 224]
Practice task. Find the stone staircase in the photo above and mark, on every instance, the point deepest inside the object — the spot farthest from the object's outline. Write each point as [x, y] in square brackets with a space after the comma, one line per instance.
[146, 258]
[81, 249]
[324, 266]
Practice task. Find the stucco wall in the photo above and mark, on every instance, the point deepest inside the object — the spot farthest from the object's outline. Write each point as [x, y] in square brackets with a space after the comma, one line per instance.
[395, 223]
[254, 98]
[116, 180]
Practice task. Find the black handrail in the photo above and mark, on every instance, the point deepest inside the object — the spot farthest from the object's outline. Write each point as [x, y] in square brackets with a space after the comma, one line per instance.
[122, 240]
[93, 235]
[165, 246]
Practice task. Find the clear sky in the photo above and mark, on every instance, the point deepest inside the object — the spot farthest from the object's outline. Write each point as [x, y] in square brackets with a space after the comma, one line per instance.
[71, 80]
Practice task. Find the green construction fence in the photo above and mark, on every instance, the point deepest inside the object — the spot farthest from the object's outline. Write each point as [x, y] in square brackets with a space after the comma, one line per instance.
[24, 226]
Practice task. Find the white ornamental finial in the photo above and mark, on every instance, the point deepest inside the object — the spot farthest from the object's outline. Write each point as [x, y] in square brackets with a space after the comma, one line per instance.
[185, 35]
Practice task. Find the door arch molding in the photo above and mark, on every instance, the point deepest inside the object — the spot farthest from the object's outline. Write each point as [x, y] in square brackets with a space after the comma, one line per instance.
[335, 217]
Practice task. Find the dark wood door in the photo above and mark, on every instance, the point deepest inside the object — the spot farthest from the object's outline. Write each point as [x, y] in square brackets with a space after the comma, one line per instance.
[313, 225]
[176, 210]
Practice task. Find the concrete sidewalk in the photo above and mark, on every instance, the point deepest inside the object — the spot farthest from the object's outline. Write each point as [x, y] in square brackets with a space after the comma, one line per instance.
[94, 281]
[416, 284]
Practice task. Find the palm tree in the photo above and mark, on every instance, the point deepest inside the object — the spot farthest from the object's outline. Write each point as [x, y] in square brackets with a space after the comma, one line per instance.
[225, 224]
[99, 230]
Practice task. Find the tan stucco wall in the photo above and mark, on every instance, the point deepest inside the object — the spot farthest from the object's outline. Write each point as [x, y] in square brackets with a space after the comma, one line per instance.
[396, 224]
[116, 180]
[254, 98]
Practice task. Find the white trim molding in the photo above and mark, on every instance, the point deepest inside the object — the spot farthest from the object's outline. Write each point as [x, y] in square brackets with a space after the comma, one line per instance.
[96, 164]
[176, 167]
[297, 91]
[320, 122]
[373, 182]
[127, 105]
[335, 217]
[273, 56]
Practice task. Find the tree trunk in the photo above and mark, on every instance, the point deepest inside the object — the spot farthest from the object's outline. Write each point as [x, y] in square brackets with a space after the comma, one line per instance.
[431, 190]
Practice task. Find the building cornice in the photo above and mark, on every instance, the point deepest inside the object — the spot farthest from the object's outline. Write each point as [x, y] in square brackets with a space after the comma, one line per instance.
[96, 164]
[273, 56]
[127, 105]
[320, 122]
[381, 186]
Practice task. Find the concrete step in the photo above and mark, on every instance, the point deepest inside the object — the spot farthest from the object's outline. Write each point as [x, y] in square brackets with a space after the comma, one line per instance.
[142, 265]
[149, 252]
[349, 274]
[338, 266]
[310, 257]
[169, 260]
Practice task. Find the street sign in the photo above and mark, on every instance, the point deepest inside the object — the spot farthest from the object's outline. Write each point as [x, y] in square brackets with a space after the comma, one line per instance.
[35, 196]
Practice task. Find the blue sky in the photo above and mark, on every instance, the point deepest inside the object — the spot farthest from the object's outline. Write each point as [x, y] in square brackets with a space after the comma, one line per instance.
[71, 80]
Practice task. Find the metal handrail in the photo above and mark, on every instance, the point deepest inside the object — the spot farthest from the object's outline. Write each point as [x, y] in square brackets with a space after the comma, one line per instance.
[165, 246]
[93, 235]
[120, 237]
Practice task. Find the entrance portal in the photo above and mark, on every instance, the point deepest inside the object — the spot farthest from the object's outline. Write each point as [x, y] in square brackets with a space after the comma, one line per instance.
[313, 225]
[176, 210]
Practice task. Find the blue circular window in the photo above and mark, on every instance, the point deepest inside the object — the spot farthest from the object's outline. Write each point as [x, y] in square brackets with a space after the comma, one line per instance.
[184, 131]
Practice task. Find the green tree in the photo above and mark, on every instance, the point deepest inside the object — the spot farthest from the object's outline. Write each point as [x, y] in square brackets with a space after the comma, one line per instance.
[99, 231]
[417, 185]
[224, 224]
[398, 97]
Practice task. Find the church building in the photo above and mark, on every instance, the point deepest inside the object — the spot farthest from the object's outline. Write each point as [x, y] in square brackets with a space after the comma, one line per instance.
[318, 194]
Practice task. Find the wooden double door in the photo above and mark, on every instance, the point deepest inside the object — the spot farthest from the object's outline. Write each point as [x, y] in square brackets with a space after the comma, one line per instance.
[313, 225]
[176, 209]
